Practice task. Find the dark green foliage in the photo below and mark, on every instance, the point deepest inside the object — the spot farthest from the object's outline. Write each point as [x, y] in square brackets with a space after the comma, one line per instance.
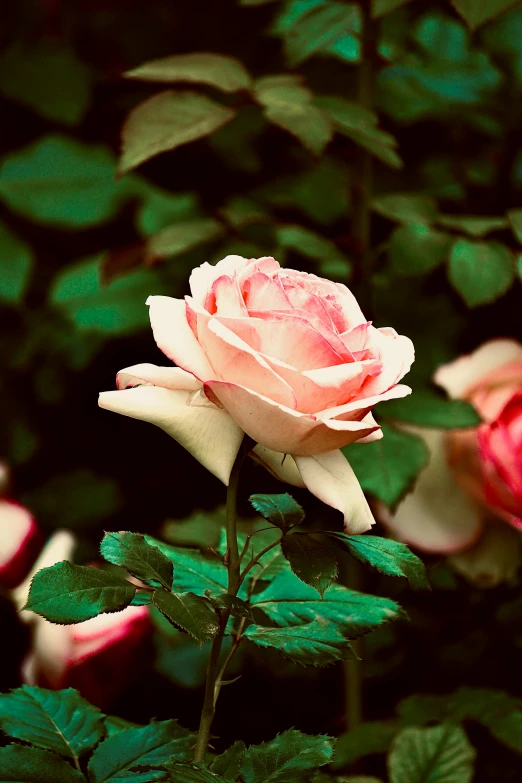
[280, 510]
[21, 764]
[67, 593]
[387, 556]
[228, 764]
[289, 757]
[312, 559]
[441, 754]
[388, 467]
[155, 744]
[60, 721]
[139, 558]
[317, 643]
[188, 611]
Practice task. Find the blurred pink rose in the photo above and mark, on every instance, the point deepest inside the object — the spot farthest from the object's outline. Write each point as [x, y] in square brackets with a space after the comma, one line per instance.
[473, 482]
[98, 657]
[19, 542]
[283, 356]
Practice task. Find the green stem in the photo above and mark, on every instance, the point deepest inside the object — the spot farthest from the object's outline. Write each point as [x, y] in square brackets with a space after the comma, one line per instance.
[212, 685]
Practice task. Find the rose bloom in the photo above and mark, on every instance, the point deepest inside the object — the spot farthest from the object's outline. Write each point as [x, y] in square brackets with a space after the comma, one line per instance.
[472, 485]
[97, 656]
[283, 356]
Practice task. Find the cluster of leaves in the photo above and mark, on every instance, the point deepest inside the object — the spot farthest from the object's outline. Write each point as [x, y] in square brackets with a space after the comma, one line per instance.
[67, 740]
[286, 600]
[61, 738]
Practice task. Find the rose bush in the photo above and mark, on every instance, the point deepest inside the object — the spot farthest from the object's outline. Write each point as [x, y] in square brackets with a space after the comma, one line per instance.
[473, 482]
[283, 356]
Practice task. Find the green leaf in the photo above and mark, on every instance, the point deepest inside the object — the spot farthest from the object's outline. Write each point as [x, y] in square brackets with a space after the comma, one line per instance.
[166, 121]
[21, 764]
[193, 572]
[288, 601]
[473, 225]
[174, 240]
[317, 643]
[67, 593]
[115, 724]
[317, 29]
[480, 271]
[476, 13]
[61, 721]
[428, 409]
[188, 611]
[216, 70]
[160, 209]
[500, 712]
[416, 249]
[309, 243]
[382, 7]
[151, 745]
[387, 556]
[138, 557]
[289, 104]
[59, 180]
[228, 763]
[441, 754]
[280, 510]
[363, 740]
[191, 773]
[16, 261]
[236, 606]
[515, 219]
[47, 77]
[288, 758]
[361, 126]
[387, 468]
[406, 207]
[311, 559]
[117, 308]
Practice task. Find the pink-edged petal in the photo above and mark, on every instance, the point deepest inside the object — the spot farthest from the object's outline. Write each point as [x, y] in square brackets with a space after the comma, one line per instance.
[205, 430]
[292, 340]
[289, 317]
[174, 336]
[282, 466]
[152, 375]
[357, 409]
[330, 477]
[493, 560]
[59, 547]
[262, 292]
[356, 339]
[459, 377]
[19, 542]
[396, 355]
[235, 361]
[316, 390]
[280, 428]
[203, 277]
[227, 298]
[437, 516]
[352, 312]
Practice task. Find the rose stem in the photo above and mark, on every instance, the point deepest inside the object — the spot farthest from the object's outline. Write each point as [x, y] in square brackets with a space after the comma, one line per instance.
[233, 566]
[361, 231]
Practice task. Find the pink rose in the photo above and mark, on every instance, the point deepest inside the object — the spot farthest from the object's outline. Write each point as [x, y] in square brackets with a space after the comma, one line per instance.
[283, 356]
[19, 542]
[473, 481]
[97, 657]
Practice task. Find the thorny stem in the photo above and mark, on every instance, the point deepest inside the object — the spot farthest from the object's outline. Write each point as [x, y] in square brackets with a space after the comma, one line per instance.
[257, 559]
[213, 683]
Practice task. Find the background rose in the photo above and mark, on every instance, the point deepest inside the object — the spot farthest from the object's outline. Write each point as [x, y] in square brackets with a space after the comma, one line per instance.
[284, 356]
[98, 656]
[474, 477]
